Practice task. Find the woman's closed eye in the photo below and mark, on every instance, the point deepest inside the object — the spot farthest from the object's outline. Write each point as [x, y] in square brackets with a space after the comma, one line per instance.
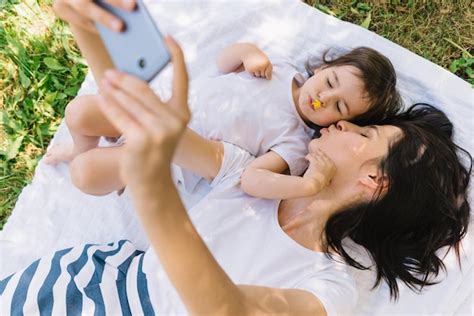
[338, 107]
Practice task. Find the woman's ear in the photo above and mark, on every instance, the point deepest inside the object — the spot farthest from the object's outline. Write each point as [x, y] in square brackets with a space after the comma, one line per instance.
[374, 181]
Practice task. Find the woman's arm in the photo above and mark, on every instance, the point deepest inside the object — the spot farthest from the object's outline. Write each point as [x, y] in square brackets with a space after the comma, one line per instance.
[201, 283]
[93, 50]
[237, 57]
[153, 130]
[262, 178]
[81, 15]
[272, 301]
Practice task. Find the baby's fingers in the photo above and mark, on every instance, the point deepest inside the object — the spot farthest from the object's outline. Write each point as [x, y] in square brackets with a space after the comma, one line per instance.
[324, 159]
[321, 158]
[268, 72]
[311, 158]
[321, 154]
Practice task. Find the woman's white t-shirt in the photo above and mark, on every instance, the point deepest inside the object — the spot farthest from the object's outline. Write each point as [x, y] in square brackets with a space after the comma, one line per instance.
[256, 114]
[244, 235]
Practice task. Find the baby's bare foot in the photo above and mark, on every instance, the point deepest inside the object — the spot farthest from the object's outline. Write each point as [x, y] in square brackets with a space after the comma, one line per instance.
[59, 153]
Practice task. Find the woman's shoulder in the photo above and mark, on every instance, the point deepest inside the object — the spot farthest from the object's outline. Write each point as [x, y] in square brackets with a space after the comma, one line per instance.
[334, 286]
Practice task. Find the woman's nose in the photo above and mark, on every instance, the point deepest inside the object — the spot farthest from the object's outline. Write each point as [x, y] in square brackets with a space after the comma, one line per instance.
[346, 126]
[341, 125]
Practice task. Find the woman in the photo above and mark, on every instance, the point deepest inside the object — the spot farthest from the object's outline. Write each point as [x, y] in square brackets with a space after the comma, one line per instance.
[398, 190]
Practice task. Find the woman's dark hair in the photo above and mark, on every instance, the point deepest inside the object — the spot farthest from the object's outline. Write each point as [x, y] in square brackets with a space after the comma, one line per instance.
[378, 75]
[424, 209]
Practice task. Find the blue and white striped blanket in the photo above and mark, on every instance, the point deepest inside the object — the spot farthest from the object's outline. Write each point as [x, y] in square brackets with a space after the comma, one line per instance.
[89, 280]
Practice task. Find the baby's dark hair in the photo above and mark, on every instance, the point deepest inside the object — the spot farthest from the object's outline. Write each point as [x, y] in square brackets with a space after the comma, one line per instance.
[378, 75]
[424, 209]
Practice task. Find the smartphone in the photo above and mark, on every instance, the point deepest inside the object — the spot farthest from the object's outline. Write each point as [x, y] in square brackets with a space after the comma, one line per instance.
[139, 49]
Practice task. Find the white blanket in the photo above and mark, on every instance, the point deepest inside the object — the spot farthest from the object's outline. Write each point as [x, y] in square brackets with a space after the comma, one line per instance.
[51, 214]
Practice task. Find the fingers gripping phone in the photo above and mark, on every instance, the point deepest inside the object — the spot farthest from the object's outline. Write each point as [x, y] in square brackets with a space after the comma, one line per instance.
[139, 49]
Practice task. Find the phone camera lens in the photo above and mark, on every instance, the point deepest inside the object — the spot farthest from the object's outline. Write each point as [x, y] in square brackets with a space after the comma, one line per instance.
[142, 63]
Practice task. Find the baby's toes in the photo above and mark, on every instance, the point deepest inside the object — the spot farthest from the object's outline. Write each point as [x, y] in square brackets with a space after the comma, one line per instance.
[58, 153]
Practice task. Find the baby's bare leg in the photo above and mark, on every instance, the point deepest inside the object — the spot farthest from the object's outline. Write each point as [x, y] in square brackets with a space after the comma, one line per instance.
[96, 171]
[86, 124]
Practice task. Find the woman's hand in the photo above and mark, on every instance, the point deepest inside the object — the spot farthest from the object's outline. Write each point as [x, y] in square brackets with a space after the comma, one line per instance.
[83, 13]
[320, 171]
[152, 128]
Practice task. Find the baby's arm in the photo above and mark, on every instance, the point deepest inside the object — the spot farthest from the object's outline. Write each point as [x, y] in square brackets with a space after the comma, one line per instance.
[262, 177]
[240, 56]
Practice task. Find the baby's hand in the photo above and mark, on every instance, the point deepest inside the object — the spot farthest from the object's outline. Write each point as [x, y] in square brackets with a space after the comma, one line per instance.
[258, 64]
[320, 171]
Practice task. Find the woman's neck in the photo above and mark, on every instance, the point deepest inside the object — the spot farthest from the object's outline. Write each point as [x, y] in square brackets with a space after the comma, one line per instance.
[304, 221]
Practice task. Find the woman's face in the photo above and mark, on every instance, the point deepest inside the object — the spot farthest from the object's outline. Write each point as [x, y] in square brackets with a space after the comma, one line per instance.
[351, 147]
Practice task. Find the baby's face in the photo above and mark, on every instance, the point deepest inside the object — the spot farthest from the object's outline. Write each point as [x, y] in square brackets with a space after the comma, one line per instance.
[340, 91]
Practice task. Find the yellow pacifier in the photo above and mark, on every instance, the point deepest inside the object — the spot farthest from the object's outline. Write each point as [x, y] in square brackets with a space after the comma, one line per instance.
[316, 104]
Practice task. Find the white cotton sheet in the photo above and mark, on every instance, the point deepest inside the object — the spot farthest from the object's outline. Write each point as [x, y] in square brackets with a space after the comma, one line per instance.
[51, 214]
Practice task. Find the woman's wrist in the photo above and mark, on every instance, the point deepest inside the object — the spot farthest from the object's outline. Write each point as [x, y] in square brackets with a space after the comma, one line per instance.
[155, 191]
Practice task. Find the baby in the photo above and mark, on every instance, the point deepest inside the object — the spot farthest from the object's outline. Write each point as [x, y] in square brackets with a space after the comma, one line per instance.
[266, 108]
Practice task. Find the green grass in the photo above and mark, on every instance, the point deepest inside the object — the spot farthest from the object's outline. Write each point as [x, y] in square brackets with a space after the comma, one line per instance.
[440, 31]
[41, 69]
